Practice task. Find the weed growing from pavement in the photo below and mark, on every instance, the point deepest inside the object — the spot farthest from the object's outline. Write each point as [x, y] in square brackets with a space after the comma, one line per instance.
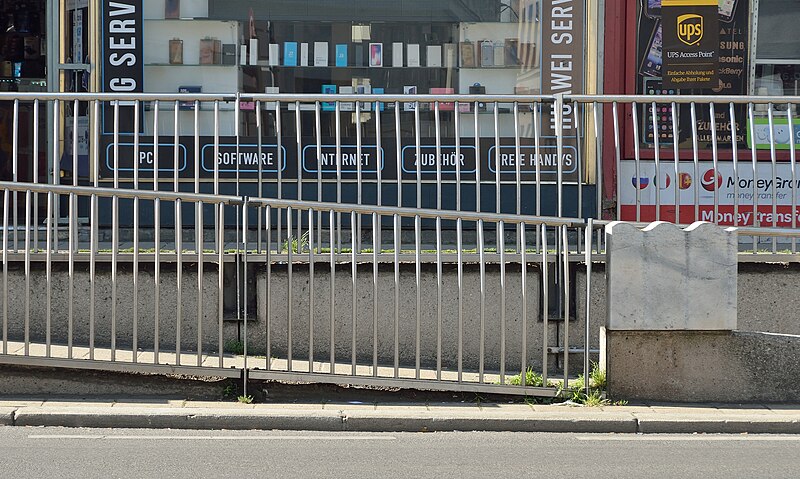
[246, 399]
[575, 391]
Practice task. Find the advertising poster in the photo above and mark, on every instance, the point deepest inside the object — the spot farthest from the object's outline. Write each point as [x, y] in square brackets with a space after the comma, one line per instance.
[732, 38]
[690, 43]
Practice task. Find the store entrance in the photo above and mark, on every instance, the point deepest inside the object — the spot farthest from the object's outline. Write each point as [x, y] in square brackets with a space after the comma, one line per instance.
[23, 45]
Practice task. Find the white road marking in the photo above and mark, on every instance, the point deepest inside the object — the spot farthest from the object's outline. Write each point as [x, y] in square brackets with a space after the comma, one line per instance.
[693, 437]
[214, 438]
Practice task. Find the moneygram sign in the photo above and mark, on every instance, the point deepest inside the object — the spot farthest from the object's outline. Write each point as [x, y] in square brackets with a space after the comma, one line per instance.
[737, 197]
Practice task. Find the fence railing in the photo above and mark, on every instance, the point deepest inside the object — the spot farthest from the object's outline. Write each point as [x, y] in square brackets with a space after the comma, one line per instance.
[636, 158]
[472, 310]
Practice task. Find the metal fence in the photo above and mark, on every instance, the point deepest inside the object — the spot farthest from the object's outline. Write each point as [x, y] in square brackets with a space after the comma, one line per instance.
[196, 224]
[403, 310]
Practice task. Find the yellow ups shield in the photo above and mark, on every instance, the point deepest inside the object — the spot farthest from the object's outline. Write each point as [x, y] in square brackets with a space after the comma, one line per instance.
[690, 28]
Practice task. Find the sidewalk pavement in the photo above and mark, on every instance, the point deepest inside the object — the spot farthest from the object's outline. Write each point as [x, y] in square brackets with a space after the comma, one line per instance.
[400, 417]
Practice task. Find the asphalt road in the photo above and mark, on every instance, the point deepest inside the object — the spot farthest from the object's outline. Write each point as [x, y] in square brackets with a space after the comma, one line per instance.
[117, 453]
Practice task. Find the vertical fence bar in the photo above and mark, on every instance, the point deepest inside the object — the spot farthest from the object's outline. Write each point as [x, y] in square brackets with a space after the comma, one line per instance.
[268, 298]
[438, 133]
[318, 130]
[696, 172]
[735, 157]
[359, 178]
[792, 165]
[331, 227]
[157, 240]
[524, 299]
[299, 141]
[398, 153]
[588, 296]
[477, 139]
[54, 198]
[754, 165]
[48, 267]
[6, 206]
[578, 160]
[260, 194]
[179, 277]
[537, 168]
[337, 108]
[28, 270]
[36, 173]
[438, 298]
[375, 236]
[418, 280]
[657, 161]
[565, 292]
[243, 246]
[93, 234]
[460, 300]
[676, 162]
[559, 121]
[221, 281]
[773, 166]
[517, 172]
[279, 141]
[501, 249]
[135, 296]
[310, 290]
[637, 158]
[457, 117]
[289, 249]
[617, 159]
[379, 170]
[115, 235]
[28, 274]
[199, 230]
[418, 151]
[396, 230]
[715, 160]
[482, 266]
[545, 305]
[354, 273]
[15, 166]
[497, 162]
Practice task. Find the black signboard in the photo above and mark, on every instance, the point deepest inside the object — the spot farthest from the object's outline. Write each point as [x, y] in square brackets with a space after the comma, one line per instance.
[690, 43]
[123, 56]
[250, 159]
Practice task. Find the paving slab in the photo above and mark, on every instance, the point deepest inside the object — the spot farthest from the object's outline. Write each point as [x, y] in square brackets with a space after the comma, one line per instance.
[7, 416]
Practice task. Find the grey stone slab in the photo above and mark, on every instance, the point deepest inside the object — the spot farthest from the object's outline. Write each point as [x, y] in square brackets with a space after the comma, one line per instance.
[664, 277]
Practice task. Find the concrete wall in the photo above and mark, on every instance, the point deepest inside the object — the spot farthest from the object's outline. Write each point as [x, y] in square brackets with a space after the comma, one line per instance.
[703, 366]
[168, 302]
[407, 324]
[767, 297]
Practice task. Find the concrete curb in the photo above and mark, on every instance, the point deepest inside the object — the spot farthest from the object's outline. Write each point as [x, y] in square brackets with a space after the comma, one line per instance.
[178, 419]
[569, 421]
[7, 416]
[725, 425]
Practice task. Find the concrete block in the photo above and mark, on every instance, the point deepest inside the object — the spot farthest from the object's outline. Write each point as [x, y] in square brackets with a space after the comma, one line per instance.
[168, 301]
[663, 277]
[364, 330]
[597, 306]
[697, 366]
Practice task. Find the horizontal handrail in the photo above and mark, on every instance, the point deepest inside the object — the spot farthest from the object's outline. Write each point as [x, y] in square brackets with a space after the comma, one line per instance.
[122, 193]
[421, 212]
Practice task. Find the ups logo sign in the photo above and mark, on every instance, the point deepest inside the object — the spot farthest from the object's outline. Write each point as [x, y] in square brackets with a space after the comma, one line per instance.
[690, 28]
